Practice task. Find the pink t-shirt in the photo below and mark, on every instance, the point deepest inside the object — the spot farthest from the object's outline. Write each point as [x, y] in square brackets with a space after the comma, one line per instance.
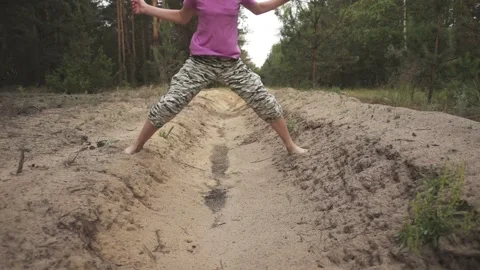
[217, 32]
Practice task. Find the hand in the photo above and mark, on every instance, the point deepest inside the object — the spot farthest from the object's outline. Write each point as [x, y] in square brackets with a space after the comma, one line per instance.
[138, 6]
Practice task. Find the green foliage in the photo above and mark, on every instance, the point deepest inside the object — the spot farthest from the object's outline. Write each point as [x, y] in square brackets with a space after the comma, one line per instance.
[377, 22]
[21, 90]
[36, 42]
[456, 98]
[364, 43]
[336, 89]
[167, 57]
[312, 50]
[165, 134]
[352, 44]
[437, 210]
[467, 97]
[81, 71]
[292, 125]
[467, 68]
[399, 97]
[34, 36]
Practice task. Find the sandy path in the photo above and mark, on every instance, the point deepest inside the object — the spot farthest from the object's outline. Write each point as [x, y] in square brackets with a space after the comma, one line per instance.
[249, 218]
[220, 191]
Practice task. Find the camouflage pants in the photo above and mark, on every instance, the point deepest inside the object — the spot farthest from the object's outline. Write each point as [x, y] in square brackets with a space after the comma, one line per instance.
[198, 72]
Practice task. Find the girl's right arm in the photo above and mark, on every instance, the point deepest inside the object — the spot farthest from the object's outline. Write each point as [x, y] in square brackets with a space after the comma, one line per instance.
[182, 16]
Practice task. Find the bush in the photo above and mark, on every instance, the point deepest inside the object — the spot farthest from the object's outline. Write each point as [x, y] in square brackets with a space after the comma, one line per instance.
[81, 72]
[399, 97]
[437, 211]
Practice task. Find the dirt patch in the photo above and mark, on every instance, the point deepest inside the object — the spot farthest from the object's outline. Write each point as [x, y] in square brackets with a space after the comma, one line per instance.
[217, 196]
[219, 159]
[364, 166]
[216, 199]
[78, 198]
[78, 202]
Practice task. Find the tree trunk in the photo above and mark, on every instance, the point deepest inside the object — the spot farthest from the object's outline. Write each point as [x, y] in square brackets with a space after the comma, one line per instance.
[129, 60]
[405, 24]
[314, 57]
[435, 61]
[124, 57]
[314, 68]
[119, 42]
[122, 70]
[134, 53]
[155, 26]
[144, 55]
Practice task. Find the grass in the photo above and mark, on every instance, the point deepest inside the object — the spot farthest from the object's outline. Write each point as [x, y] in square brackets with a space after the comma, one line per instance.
[393, 97]
[438, 211]
[292, 126]
[164, 134]
[457, 100]
[444, 100]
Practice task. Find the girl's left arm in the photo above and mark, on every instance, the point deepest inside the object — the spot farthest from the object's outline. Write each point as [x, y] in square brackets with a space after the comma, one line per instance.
[258, 8]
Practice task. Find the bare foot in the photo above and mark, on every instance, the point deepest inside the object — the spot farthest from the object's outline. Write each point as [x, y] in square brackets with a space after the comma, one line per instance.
[132, 149]
[296, 150]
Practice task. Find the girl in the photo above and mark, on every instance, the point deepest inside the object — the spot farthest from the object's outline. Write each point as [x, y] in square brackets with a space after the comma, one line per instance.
[215, 55]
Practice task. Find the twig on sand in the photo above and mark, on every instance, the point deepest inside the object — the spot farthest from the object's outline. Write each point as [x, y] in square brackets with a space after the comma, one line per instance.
[160, 245]
[188, 165]
[76, 189]
[68, 213]
[257, 161]
[22, 159]
[149, 253]
[184, 230]
[215, 225]
[166, 136]
[48, 244]
[71, 161]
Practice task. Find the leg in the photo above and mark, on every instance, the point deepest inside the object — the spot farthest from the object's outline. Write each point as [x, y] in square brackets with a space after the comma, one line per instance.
[185, 85]
[249, 86]
[147, 131]
[280, 127]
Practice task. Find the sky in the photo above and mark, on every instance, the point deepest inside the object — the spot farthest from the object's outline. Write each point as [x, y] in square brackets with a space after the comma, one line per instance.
[264, 32]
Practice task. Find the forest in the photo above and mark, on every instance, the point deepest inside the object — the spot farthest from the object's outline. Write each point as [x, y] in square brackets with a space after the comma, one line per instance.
[87, 45]
[428, 49]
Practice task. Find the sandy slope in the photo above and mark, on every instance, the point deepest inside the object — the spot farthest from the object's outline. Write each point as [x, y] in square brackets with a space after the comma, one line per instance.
[220, 191]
